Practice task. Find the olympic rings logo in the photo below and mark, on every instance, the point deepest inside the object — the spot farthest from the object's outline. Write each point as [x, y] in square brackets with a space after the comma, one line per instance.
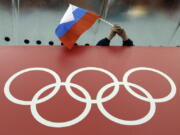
[88, 100]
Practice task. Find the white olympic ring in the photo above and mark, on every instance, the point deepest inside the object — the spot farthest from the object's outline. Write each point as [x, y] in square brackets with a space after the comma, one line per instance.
[160, 100]
[21, 102]
[60, 124]
[99, 100]
[126, 122]
[70, 91]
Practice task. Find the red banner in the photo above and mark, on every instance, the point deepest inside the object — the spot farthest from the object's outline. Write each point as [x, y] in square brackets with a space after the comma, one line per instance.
[89, 90]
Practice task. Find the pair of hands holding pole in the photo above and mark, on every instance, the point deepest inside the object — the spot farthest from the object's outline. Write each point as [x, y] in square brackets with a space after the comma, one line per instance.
[117, 29]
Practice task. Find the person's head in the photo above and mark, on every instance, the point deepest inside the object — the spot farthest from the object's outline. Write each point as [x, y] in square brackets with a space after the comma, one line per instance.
[75, 44]
[87, 44]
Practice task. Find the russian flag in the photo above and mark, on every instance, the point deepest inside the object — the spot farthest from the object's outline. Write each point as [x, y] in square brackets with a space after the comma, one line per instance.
[74, 23]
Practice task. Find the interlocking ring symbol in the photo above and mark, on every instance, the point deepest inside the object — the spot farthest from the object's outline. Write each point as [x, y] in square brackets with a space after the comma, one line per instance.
[88, 100]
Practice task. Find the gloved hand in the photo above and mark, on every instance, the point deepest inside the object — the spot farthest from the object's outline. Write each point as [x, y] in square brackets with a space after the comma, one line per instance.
[112, 34]
[120, 31]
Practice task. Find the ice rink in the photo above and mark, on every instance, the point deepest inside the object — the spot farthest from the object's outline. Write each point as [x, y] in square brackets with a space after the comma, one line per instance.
[35, 21]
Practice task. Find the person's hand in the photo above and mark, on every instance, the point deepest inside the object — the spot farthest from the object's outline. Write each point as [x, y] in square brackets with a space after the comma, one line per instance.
[112, 34]
[120, 31]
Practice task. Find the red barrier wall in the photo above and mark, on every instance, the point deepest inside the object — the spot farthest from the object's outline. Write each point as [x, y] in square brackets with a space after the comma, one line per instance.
[152, 85]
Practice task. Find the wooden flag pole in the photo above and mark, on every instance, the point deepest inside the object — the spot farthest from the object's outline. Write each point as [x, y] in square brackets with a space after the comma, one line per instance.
[106, 22]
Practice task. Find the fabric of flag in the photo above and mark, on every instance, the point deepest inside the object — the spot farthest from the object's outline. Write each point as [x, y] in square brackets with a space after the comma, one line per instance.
[73, 24]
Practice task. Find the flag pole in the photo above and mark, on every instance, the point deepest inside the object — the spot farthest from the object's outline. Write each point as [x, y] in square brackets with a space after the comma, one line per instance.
[101, 19]
[174, 33]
